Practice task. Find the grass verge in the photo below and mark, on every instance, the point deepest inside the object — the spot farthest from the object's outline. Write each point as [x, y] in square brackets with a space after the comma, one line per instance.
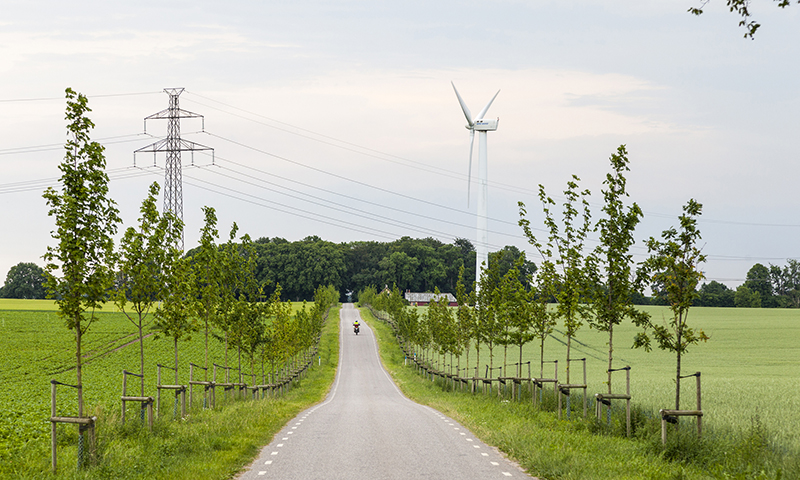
[583, 449]
[210, 444]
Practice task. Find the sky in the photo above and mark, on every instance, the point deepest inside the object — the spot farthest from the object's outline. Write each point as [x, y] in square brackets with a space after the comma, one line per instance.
[337, 118]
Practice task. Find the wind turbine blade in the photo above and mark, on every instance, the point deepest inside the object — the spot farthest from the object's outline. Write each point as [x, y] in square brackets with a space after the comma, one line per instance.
[486, 108]
[464, 107]
[469, 173]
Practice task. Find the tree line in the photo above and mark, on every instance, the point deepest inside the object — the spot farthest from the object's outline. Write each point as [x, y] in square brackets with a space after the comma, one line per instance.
[509, 310]
[212, 290]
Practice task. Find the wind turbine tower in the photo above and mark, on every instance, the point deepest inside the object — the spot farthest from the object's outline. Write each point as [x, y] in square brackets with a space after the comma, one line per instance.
[481, 125]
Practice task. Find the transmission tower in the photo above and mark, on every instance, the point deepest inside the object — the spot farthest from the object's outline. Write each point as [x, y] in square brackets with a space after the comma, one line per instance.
[173, 145]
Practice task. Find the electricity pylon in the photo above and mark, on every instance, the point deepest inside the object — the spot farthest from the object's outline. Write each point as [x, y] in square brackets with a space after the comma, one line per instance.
[173, 145]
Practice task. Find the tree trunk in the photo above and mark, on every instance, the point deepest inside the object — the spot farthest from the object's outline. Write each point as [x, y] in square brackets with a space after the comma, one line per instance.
[206, 365]
[569, 344]
[541, 359]
[505, 359]
[678, 343]
[610, 353]
[78, 366]
[141, 356]
[176, 359]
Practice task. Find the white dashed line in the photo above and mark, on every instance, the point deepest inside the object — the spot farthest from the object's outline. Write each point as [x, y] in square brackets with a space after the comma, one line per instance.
[485, 454]
[293, 428]
[274, 453]
[462, 433]
[494, 463]
[286, 438]
[268, 462]
[469, 439]
[263, 472]
[289, 433]
[280, 445]
[507, 474]
[477, 446]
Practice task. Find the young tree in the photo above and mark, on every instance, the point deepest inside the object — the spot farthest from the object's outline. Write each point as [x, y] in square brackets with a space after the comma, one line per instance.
[518, 307]
[609, 267]
[465, 314]
[565, 251]
[207, 274]
[542, 288]
[673, 268]
[142, 262]
[174, 314]
[486, 304]
[229, 281]
[86, 221]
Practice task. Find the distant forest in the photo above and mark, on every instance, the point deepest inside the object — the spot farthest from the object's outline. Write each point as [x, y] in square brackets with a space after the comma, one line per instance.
[421, 265]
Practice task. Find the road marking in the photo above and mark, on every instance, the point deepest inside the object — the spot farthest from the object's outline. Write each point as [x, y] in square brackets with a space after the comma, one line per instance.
[477, 446]
[268, 462]
[289, 433]
[293, 428]
[462, 433]
[485, 454]
[274, 453]
[280, 445]
[507, 474]
[285, 438]
[297, 424]
[494, 463]
[456, 428]
[263, 472]
[469, 439]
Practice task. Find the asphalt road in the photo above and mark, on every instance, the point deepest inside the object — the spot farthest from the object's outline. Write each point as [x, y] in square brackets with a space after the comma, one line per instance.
[367, 429]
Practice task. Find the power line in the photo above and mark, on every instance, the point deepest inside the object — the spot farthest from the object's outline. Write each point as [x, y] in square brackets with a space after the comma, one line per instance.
[341, 177]
[45, 99]
[368, 202]
[60, 146]
[367, 151]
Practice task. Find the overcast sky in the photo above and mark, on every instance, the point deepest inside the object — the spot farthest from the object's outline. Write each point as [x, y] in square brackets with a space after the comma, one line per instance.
[337, 118]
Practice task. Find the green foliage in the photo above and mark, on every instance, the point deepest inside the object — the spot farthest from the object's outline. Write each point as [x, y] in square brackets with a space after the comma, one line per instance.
[673, 268]
[735, 445]
[25, 281]
[741, 8]
[299, 267]
[206, 444]
[86, 221]
[746, 298]
[516, 309]
[208, 274]
[609, 267]
[715, 294]
[142, 264]
[562, 256]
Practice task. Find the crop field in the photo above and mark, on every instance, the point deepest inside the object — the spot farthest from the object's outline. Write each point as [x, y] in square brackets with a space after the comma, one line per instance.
[36, 347]
[750, 369]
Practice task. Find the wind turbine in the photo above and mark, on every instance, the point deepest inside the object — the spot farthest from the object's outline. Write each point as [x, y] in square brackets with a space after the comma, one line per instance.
[482, 126]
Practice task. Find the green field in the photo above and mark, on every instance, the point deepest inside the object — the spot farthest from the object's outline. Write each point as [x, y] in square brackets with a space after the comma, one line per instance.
[36, 347]
[750, 369]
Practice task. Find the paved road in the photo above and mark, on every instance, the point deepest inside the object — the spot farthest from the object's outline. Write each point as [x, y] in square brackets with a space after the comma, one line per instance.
[366, 429]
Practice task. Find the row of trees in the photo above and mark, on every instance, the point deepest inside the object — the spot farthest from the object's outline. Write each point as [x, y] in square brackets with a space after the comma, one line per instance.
[214, 290]
[765, 287]
[511, 308]
[419, 265]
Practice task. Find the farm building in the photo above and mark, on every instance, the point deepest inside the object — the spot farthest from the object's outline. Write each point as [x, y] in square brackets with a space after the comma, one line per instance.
[422, 299]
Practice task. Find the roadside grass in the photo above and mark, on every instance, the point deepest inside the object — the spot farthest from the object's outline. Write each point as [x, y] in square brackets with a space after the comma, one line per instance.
[588, 449]
[207, 444]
